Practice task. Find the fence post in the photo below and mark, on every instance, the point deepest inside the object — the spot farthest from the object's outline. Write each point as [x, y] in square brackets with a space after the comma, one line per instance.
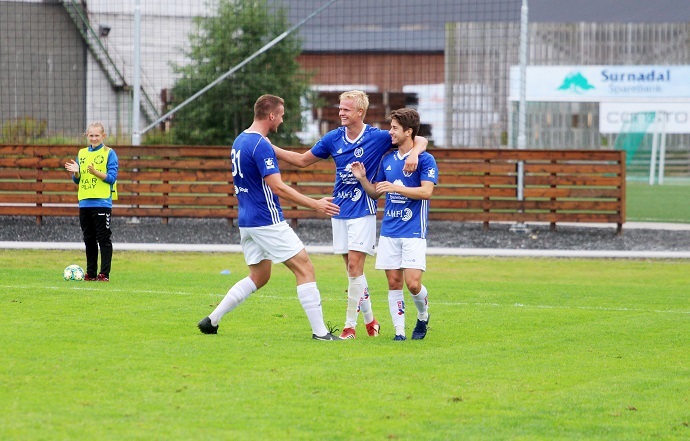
[39, 179]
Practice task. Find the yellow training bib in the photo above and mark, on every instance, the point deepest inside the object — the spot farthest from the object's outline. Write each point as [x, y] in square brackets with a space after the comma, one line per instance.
[91, 187]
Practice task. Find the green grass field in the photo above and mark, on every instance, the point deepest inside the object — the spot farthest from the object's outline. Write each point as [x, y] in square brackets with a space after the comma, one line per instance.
[518, 349]
[658, 203]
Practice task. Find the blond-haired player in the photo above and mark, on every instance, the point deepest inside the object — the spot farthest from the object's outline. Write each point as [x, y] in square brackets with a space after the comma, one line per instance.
[354, 228]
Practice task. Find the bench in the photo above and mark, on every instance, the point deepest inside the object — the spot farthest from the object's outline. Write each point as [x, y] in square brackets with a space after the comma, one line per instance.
[478, 185]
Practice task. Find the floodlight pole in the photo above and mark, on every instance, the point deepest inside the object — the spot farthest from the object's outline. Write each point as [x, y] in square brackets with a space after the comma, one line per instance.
[520, 227]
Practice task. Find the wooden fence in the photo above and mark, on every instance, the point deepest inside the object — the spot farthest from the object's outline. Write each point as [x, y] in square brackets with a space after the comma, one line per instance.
[196, 182]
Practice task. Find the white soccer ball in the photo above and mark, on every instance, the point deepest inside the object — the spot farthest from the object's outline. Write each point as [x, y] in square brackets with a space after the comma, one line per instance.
[73, 272]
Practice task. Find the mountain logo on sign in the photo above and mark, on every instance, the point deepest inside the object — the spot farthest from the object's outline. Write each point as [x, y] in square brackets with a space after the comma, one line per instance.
[576, 82]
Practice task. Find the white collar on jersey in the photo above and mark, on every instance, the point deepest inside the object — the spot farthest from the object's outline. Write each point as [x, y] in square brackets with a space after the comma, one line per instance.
[401, 157]
[353, 141]
[252, 132]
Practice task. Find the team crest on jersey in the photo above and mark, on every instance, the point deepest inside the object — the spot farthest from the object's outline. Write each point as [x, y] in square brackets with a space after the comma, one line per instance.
[359, 152]
[407, 174]
[269, 163]
[99, 159]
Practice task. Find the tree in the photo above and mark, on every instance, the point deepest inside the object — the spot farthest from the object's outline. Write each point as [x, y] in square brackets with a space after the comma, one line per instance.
[236, 31]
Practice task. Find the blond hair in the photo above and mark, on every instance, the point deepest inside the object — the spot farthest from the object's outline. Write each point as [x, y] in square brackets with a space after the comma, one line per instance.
[97, 124]
[360, 99]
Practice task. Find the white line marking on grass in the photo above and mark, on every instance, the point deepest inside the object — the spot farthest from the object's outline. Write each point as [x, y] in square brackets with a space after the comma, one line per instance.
[94, 288]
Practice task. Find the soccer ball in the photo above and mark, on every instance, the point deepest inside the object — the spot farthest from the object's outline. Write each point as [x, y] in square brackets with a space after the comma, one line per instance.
[73, 272]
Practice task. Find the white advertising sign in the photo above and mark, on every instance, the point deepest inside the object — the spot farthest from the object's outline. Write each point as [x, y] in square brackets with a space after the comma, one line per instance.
[651, 117]
[601, 83]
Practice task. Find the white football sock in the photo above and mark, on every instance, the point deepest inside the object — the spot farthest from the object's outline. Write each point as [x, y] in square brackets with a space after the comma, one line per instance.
[422, 303]
[355, 290]
[236, 295]
[396, 304]
[365, 302]
[310, 298]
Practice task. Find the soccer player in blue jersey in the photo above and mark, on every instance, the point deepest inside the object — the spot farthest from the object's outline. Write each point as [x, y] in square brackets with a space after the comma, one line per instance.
[402, 244]
[264, 235]
[354, 229]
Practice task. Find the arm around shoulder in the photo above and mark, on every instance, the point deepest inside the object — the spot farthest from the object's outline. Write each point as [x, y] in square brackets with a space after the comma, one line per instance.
[419, 147]
[420, 144]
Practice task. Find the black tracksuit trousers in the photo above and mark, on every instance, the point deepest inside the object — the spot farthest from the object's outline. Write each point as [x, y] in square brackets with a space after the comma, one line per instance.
[95, 227]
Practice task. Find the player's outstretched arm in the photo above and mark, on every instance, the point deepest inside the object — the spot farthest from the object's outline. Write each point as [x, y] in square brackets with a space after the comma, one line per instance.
[284, 191]
[294, 158]
[360, 172]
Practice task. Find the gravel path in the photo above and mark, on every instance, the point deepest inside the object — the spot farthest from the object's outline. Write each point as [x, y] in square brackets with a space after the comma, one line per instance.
[318, 232]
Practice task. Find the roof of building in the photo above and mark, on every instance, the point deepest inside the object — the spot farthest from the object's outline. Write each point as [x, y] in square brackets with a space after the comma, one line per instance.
[603, 11]
[419, 25]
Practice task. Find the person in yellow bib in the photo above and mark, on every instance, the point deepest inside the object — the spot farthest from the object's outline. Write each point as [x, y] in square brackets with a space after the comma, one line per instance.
[95, 171]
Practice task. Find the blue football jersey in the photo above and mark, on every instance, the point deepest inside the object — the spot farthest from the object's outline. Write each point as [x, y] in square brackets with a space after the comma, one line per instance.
[368, 148]
[402, 216]
[253, 158]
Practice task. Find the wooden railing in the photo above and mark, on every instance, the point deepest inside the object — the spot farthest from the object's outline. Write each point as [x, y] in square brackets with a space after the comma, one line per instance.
[196, 182]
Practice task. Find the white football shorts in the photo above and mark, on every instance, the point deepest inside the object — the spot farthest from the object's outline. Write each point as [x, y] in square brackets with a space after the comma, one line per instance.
[398, 253]
[277, 242]
[354, 234]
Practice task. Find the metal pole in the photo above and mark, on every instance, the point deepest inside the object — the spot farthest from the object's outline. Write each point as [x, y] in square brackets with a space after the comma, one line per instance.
[136, 86]
[136, 95]
[652, 157]
[522, 109]
[511, 125]
[268, 45]
[662, 148]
